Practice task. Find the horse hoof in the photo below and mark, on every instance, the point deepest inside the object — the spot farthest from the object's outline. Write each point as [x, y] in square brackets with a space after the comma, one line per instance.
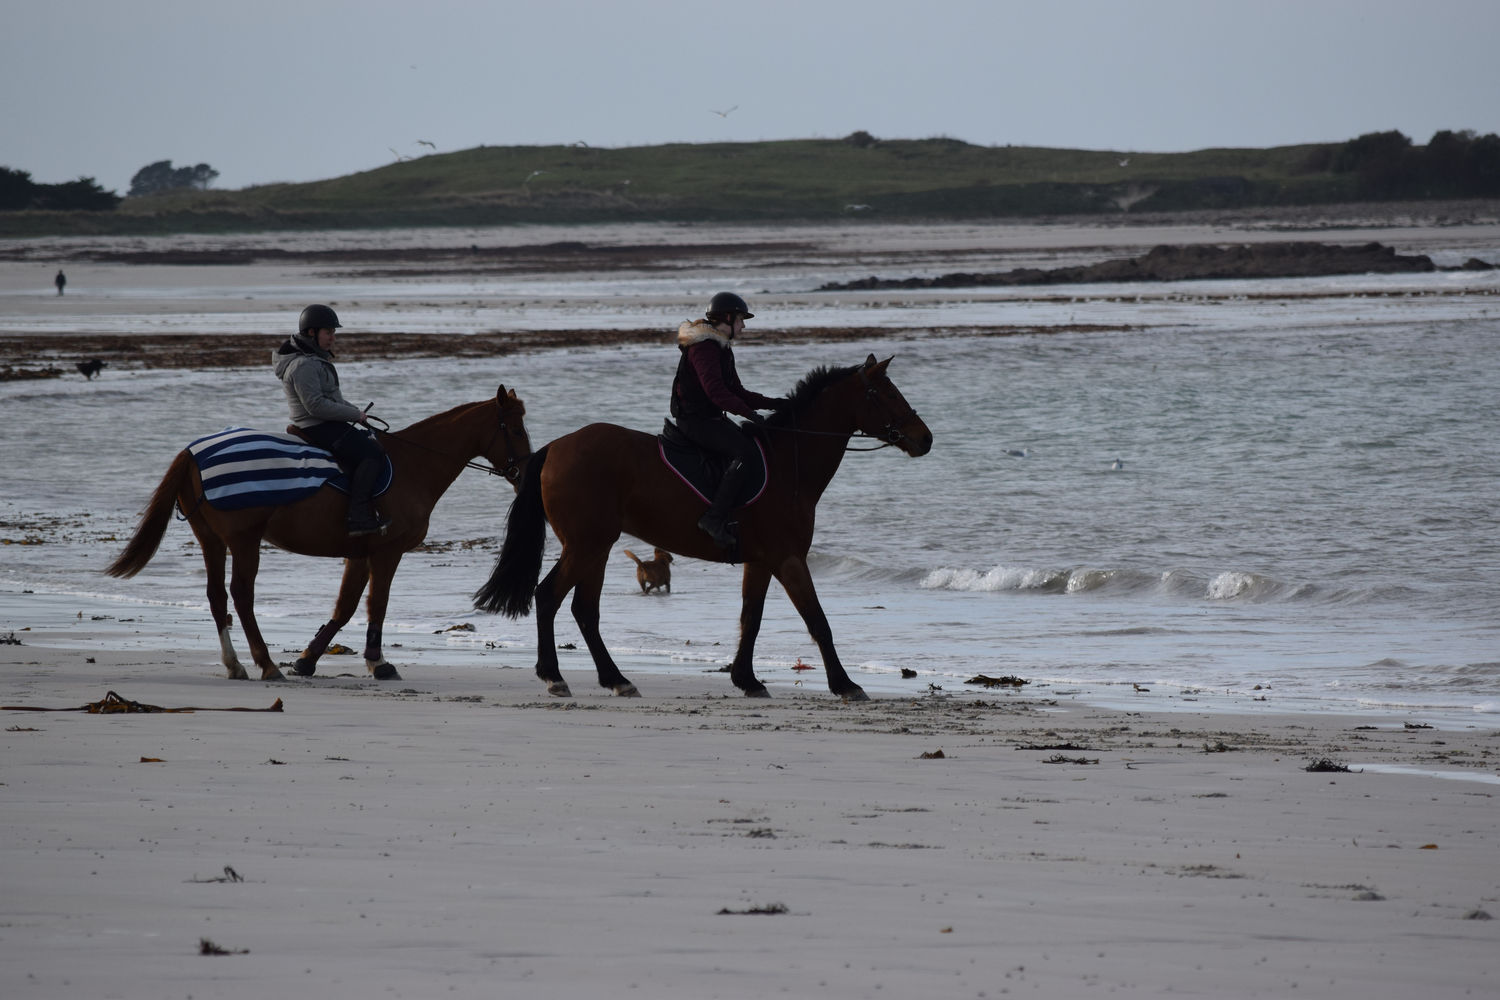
[382, 671]
[305, 667]
[274, 674]
[237, 673]
[627, 690]
[560, 689]
[757, 692]
[855, 694]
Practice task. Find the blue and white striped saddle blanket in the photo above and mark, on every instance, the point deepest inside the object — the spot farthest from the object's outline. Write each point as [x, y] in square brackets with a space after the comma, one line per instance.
[248, 468]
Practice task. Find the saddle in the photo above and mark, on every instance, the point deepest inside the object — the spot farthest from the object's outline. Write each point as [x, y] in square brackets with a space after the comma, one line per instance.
[702, 470]
[341, 481]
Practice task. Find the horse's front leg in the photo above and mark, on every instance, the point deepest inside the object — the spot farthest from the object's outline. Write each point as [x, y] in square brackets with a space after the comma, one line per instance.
[382, 571]
[356, 572]
[245, 554]
[795, 577]
[755, 581]
[586, 614]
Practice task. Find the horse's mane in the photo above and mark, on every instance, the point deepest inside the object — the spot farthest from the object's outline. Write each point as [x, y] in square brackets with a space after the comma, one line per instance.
[811, 386]
[451, 411]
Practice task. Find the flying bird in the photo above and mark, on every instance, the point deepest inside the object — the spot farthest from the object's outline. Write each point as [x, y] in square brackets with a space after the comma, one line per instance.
[1125, 162]
[723, 114]
[424, 142]
[534, 173]
[399, 156]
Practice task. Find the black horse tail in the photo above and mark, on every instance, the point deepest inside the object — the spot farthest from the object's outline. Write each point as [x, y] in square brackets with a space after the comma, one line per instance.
[512, 585]
[153, 525]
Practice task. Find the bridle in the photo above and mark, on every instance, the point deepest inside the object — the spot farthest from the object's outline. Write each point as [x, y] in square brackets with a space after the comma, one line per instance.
[889, 435]
[511, 470]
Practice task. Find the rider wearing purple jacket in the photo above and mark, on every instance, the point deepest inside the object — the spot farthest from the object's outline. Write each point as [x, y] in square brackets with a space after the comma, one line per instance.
[706, 387]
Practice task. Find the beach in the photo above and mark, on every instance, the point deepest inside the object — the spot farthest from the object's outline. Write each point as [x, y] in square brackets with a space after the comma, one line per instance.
[1234, 538]
[460, 833]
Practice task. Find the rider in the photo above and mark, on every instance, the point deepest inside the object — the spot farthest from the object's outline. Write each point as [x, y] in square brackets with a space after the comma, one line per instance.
[705, 387]
[304, 363]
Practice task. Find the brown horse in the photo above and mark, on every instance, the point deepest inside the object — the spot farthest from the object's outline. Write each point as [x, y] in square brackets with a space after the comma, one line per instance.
[426, 458]
[603, 479]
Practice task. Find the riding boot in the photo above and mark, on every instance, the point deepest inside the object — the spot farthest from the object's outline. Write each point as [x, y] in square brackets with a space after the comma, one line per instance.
[716, 521]
[363, 518]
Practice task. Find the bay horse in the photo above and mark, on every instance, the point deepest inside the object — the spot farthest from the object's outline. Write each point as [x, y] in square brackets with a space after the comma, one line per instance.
[604, 479]
[426, 458]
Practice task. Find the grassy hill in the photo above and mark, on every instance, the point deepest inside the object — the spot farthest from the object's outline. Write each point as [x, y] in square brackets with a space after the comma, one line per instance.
[761, 181]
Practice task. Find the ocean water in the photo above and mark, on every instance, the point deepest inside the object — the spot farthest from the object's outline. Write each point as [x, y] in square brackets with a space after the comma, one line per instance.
[1272, 495]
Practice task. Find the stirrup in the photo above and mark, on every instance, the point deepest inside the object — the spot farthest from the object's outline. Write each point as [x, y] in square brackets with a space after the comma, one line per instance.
[719, 530]
[375, 526]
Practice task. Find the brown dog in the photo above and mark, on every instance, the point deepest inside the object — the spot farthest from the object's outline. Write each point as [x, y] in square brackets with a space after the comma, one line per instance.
[653, 573]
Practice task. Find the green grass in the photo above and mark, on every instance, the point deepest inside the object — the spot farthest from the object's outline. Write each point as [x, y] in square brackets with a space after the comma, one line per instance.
[808, 179]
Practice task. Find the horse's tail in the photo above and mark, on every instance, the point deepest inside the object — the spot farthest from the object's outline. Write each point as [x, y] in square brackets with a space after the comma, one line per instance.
[154, 521]
[512, 585]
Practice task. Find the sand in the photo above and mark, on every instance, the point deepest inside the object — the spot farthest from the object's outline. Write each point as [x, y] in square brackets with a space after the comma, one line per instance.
[460, 833]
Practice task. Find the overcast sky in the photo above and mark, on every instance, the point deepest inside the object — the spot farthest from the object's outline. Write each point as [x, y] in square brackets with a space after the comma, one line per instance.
[276, 90]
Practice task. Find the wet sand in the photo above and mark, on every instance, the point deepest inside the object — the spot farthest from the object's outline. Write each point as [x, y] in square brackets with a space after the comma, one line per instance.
[460, 833]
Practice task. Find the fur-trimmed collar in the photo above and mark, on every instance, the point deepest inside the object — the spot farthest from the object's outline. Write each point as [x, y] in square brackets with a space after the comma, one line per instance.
[694, 331]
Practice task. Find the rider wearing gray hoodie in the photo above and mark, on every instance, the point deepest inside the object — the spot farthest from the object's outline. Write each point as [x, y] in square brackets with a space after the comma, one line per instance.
[304, 363]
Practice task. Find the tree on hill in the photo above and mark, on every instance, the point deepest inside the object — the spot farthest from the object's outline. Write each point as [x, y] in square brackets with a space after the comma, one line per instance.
[1452, 165]
[16, 189]
[19, 192]
[160, 176]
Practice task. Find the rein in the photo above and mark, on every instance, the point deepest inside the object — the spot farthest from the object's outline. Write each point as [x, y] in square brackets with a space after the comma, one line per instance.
[891, 433]
[511, 472]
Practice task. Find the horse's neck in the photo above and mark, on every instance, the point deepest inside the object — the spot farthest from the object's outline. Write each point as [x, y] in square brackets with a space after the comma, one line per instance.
[819, 449]
[436, 449]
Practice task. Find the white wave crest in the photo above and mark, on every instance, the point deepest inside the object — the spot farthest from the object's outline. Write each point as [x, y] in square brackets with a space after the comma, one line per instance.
[999, 578]
[1232, 584]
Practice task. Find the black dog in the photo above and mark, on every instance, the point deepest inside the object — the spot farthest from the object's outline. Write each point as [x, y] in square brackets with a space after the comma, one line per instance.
[88, 369]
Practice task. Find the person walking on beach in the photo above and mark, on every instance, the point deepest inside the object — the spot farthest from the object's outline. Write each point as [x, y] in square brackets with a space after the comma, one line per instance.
[60, 281]
[706, 388]
[304, 363]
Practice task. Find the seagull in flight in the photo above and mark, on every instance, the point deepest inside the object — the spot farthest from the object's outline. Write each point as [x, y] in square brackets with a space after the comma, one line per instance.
[724, 113]
[400, 157]
[424, 142]
[534, 173]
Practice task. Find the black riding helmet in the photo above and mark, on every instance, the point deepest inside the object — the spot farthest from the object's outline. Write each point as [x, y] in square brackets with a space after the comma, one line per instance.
[725, 305]
[317, 317]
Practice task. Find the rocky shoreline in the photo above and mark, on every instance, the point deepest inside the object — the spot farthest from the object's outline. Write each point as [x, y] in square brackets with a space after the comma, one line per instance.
[1187, 263]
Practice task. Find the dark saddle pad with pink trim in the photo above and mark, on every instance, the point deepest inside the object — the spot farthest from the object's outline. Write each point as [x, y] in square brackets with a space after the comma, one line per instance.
[702, 470]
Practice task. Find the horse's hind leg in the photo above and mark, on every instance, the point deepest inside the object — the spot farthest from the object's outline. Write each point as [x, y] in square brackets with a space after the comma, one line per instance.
[246, 555]
[548, 600]
[218, 597]
[356, 572]
[586, 614]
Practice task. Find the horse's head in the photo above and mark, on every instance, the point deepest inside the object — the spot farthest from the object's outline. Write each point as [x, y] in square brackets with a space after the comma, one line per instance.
[882, 412]
[511, 447]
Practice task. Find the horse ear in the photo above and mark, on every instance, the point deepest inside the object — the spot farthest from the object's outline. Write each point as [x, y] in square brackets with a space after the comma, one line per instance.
[500, 392]
[870, 361]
